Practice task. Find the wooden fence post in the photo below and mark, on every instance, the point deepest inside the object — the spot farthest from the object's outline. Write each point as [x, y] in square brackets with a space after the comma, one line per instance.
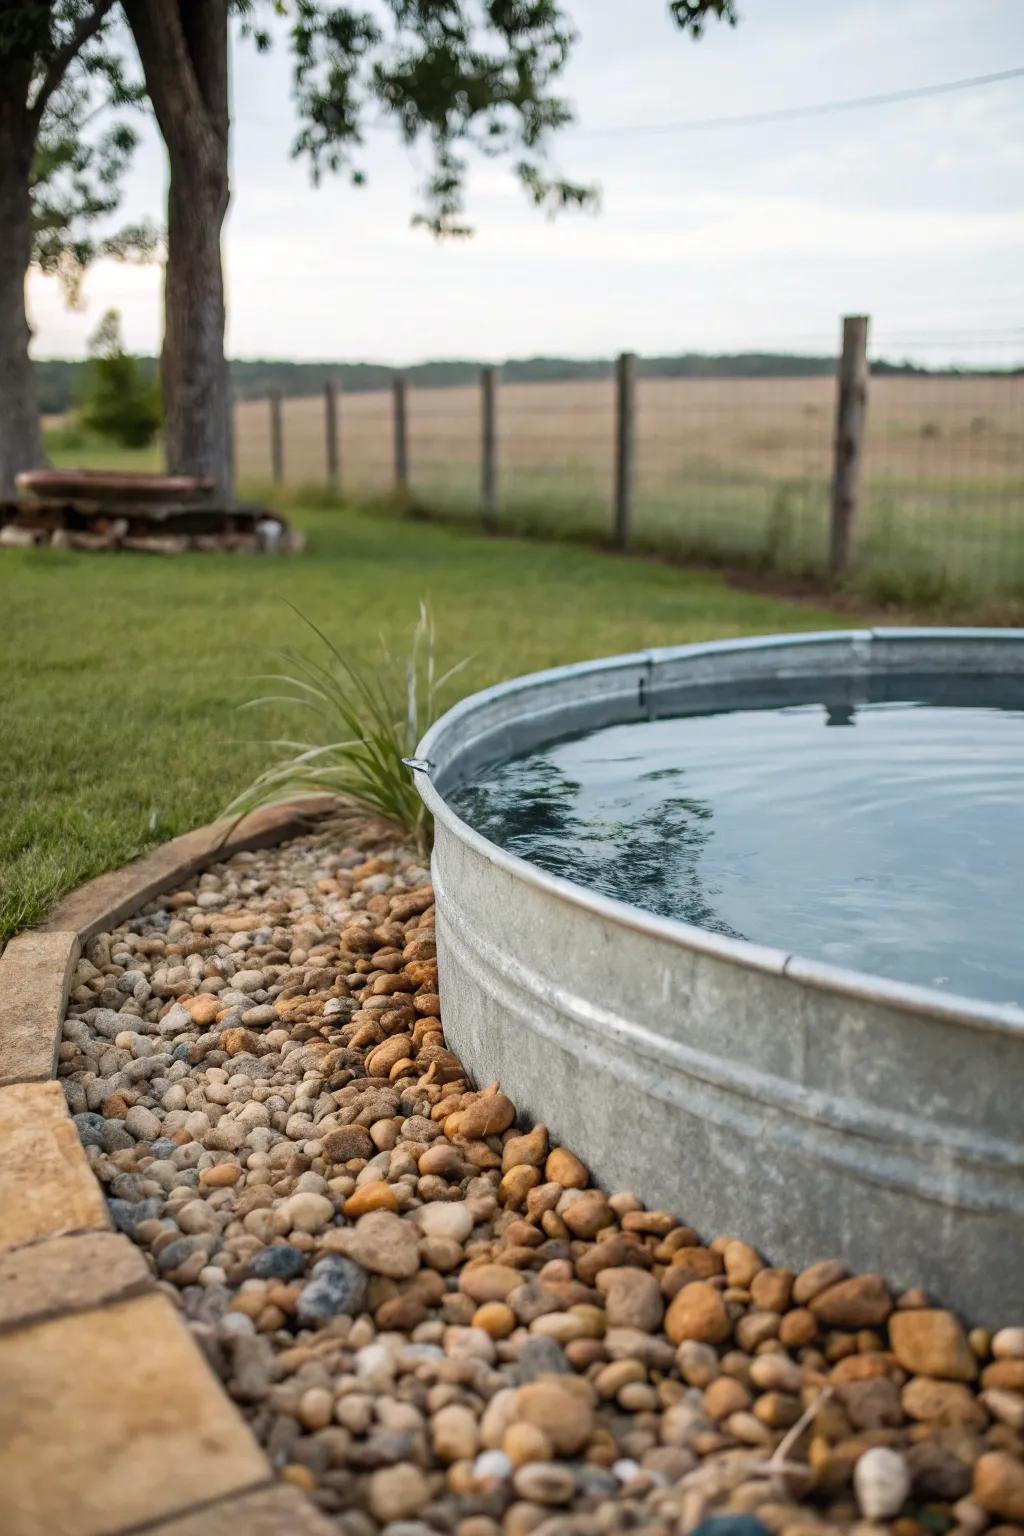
[851, 413]
[276, 438]
[331, 433]
[401, 424]
[489, 446]
[625, 446]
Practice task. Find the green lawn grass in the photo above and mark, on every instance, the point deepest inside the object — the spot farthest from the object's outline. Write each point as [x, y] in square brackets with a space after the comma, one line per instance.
[952, 549]
[956, 550]
[122, 673]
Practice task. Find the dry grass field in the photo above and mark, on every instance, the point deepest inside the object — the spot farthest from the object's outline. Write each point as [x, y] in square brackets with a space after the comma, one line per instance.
[735, 470]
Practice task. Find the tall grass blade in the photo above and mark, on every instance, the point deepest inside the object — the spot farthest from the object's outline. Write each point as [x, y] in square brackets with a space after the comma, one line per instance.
[373, 717]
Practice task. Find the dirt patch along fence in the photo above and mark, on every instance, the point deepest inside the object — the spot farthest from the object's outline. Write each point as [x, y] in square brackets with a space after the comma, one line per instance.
[906, 486]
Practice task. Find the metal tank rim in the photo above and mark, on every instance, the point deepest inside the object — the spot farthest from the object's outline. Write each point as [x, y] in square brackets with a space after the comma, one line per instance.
[815, 976]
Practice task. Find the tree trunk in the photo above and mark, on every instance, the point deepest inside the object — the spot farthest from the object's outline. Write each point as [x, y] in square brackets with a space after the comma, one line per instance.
[194, 371]
[183, 48]
[21, 443]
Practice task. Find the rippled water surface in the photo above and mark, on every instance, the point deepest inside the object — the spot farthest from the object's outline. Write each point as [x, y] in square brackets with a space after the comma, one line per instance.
[886, 837]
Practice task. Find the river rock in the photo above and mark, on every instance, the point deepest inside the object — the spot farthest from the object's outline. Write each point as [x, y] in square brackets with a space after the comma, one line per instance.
[863, 1302]
[942, 1402]
[383, 1243]
[881, 1482]
[539, 1357]
[632, 1298]
[142, 1123]
[128, 1215]
[454, 1433]
[544, 1483]
[308, 1212]
[530, 1150]
[999, 1485]
[586, 1216]
[929, 1342]
[396, 1493]
[561, 1407]
[337, 1287]
[486, 1116]
[562, 1167]
[698, 1312]
[445, 1218]
[489, 1282]
[346, 1142]
[280, 1262]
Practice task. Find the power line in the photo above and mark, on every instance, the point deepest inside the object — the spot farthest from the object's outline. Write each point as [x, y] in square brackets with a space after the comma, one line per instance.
[816, 109]
[746, 120]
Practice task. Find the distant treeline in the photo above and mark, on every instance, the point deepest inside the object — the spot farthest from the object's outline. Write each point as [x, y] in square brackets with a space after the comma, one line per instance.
[59, 380]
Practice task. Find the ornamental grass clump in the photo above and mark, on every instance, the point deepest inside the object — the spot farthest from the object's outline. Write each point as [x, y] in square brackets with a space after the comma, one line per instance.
[370, 717]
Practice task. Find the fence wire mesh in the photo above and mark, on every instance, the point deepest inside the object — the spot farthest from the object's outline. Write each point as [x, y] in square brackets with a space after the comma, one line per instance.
[734, 470]
[943, 503]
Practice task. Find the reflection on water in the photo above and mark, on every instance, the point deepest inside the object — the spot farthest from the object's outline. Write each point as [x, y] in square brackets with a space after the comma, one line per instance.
[650, 857]
[892, 841]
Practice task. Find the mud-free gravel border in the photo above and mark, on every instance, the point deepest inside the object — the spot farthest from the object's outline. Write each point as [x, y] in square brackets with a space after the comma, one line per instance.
[96, 1438]
[431, 1319]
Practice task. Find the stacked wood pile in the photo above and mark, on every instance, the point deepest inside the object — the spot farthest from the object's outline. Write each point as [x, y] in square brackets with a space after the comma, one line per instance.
[153, 514]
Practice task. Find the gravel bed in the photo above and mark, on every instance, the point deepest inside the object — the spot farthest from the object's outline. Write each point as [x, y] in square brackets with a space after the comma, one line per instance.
[431, 1318]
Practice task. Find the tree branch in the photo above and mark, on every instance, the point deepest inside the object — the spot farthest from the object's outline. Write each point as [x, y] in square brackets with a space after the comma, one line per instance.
[87, 27]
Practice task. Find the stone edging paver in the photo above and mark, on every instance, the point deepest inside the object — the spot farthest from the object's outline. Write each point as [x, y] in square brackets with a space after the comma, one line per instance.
[110, 1418]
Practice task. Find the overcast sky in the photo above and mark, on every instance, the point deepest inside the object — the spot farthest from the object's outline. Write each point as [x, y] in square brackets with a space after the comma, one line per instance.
[733, 239]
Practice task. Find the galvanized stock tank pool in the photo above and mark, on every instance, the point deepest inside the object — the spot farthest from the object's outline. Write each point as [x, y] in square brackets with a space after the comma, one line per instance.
[743, 923]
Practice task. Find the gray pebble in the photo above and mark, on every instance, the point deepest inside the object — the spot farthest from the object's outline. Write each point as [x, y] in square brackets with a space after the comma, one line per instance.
[127, 1186]
[181, 1249]
[106, 1021]
[382, 1450]
[128, 1214]
[90, 1128]
[255, 1018]
[142, 1123]
[280, 1262]
[595, 1480]
[114, 1137]
[253, 1367]
[540, 1357]
[338, 1286]
[175, 1021]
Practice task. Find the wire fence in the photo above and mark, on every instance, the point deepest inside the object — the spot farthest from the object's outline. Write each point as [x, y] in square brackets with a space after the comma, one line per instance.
[731, 470]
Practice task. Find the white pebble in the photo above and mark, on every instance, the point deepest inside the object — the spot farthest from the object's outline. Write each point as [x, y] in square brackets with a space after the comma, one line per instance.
[881, 1482]
[307, 1211]
[1008, 1344]
[371, 1358]
[491, 1464]
[441, 1218]
[235, 1325]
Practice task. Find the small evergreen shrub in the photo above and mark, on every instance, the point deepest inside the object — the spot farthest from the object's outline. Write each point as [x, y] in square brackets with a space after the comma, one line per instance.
[119, 401]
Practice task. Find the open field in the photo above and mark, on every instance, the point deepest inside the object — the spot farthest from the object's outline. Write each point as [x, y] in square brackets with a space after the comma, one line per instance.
[118, 726]
[735, 470]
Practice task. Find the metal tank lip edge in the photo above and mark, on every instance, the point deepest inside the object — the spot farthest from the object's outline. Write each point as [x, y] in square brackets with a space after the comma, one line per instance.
[819, 976]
